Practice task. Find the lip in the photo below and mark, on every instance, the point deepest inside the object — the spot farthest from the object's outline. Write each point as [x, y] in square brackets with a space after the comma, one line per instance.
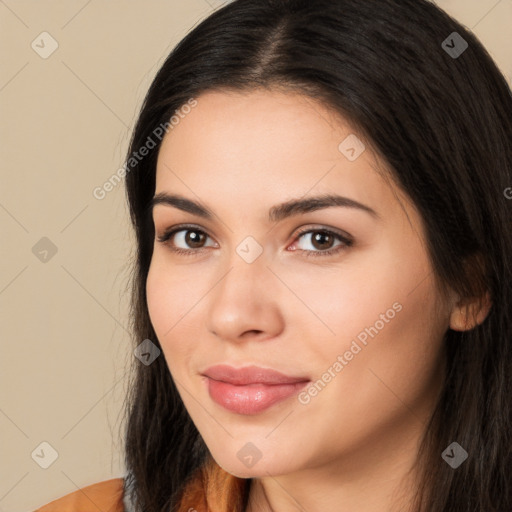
[249, 375]
[250, 390]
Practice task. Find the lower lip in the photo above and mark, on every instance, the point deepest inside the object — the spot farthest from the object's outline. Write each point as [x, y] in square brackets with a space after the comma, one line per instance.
[251, 398]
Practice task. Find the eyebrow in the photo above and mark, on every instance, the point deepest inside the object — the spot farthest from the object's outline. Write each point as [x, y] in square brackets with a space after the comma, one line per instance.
[275, 214]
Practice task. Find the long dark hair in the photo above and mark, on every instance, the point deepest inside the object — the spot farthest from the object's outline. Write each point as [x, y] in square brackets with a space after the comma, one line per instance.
[443, 123]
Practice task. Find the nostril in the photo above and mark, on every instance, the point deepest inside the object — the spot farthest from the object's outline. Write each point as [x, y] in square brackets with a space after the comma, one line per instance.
[251, 332]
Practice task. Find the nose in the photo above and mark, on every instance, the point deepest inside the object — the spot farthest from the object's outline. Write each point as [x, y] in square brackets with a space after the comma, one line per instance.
[245, 304]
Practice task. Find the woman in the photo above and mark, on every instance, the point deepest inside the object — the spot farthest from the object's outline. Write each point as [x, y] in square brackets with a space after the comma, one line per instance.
[322, 284]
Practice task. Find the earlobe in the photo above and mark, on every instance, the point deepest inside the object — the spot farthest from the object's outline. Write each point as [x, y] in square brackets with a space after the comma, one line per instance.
[466, 315]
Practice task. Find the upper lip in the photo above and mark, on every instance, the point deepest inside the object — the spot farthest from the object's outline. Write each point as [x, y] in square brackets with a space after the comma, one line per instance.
[249, 375]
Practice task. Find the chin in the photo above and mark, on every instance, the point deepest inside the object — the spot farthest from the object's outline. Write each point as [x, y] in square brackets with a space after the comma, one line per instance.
[258, 470]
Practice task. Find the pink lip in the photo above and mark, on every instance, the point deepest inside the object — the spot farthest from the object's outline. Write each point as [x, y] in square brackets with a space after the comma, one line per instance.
[250, 390]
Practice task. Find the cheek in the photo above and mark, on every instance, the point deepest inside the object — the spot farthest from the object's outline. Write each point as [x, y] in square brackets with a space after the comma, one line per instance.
[159, 300]
[383, 315]
[171, 293]
[388, 325]
[371, 288]
[168, 301]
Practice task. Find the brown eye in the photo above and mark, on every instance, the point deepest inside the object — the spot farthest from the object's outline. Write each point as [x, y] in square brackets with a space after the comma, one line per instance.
[191, 239]
[322, 240]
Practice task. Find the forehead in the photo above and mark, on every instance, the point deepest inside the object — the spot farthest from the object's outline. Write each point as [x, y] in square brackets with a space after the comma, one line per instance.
[272, 126]
[263, 147]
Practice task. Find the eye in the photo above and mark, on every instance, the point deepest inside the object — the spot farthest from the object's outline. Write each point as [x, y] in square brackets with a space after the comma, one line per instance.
[322, 239]
[194, 238]
[185, 235]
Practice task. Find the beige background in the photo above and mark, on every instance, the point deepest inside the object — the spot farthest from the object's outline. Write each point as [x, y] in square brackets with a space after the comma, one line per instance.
[65, 125]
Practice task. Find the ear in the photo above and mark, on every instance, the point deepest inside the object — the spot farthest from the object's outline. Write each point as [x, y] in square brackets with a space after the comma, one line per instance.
[467, 314]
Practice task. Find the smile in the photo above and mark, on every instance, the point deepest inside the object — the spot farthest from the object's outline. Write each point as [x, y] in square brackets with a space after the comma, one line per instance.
[250, 389]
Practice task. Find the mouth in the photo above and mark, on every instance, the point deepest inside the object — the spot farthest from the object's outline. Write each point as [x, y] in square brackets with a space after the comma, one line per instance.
[250, 390]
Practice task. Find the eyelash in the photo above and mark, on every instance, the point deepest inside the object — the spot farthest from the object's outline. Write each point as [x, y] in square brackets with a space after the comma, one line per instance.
[347, 242]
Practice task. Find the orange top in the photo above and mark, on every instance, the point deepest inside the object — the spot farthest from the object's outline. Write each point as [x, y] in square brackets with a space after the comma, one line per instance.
[106, 496]
[210, 489]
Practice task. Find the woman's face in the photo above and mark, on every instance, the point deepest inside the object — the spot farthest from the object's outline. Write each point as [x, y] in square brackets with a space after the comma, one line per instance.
[361, 327]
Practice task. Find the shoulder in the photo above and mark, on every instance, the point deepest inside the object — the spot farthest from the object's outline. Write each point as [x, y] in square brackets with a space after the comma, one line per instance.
[106, 496]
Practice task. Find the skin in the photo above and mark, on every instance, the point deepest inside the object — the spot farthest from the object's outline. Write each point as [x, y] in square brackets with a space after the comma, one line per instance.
[353, 446]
